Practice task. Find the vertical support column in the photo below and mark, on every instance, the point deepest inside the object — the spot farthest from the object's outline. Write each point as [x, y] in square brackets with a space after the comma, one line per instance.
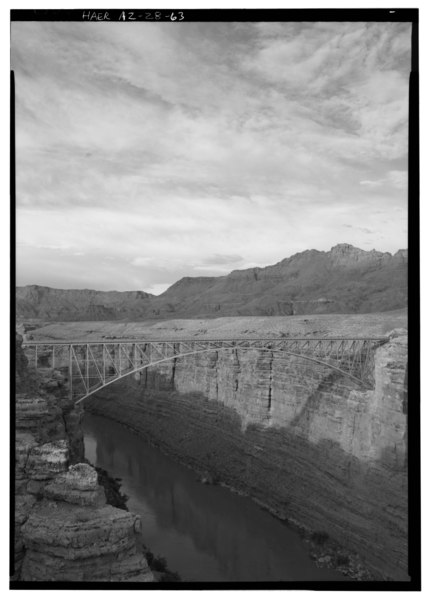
[365, 365]
[120, 361]
[35, 356]
[351, 361]
[70, 372]
[104, 363]
[361, 347]
[87, 368]
[53, 357]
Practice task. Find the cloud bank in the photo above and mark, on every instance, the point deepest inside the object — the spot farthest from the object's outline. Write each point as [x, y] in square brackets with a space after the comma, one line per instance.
[150, 151]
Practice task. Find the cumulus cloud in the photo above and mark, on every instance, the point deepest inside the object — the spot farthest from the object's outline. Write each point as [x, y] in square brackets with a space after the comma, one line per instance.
[176, 151]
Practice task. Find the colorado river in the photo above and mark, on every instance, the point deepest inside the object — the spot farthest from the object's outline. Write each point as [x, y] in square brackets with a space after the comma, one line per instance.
[206, 533]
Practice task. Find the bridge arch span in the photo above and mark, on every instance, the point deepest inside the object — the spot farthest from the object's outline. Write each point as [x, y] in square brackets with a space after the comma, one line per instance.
[93, 365]
[314, 360]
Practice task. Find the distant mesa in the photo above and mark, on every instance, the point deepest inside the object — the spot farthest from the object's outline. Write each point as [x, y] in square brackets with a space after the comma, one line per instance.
[343, 280]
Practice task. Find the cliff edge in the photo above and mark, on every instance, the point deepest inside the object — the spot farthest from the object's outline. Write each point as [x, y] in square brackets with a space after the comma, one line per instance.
[64, 530]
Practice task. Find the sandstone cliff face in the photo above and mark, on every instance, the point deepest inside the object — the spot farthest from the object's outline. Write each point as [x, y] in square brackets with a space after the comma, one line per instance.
[300, 440]
[64, 531]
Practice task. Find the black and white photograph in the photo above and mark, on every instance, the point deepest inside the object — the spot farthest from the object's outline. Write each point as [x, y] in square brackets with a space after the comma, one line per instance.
[212, 212]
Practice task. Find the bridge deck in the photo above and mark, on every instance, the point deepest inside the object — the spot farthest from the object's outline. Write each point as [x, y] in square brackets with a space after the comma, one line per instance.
[175, 340]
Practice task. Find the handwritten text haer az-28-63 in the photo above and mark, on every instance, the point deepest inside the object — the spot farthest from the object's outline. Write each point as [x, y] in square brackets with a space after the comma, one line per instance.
[124, 15]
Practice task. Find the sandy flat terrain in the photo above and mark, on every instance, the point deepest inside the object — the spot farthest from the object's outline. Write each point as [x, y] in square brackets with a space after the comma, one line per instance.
[356, 325]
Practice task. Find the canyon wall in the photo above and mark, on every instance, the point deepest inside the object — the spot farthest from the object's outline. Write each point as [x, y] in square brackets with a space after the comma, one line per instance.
[301, 440]
[63, 528]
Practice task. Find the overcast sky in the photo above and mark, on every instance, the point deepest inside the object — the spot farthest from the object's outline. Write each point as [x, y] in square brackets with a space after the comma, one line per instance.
[150, 151]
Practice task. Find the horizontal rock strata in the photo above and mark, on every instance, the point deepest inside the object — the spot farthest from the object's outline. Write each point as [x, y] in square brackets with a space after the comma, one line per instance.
[77, 486]
[91, 543]
[64, 530]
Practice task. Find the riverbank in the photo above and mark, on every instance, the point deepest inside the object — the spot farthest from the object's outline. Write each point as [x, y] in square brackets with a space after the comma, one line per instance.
[114, 497]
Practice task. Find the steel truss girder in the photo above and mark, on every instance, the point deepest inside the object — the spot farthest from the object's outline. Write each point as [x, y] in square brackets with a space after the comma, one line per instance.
[96, 364]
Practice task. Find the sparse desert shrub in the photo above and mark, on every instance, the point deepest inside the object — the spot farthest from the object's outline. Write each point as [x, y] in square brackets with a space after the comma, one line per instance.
[158, 563]
[342, 560]
[319, 537]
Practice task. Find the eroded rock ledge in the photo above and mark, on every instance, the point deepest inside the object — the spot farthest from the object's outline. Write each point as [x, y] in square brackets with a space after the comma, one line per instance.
[64, 530]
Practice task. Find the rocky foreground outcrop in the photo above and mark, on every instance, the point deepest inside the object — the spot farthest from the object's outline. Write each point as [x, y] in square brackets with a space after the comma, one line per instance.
[64, 530]
[303, 441]
[342, 280]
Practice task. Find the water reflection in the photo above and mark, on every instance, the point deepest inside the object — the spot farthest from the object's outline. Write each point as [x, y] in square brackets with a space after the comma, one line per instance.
[206, 533]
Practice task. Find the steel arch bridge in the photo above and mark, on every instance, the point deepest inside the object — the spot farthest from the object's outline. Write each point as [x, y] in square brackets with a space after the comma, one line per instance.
[93, 365]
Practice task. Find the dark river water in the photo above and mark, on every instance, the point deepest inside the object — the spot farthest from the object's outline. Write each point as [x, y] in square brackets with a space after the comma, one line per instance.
[206, 533]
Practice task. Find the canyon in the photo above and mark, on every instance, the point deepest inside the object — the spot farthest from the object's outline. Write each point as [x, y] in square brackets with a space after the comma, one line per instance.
[343, 280]
[305, 443]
